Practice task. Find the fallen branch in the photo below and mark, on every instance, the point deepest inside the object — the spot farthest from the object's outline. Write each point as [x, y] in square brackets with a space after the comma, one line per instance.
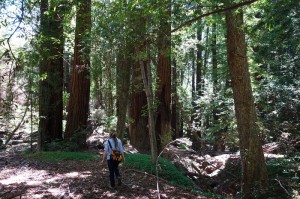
[149, 174]
[286, 191]
[156, 165]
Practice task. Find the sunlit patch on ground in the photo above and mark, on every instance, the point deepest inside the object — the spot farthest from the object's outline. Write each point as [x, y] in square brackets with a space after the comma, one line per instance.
[39, 182]
[25, 175]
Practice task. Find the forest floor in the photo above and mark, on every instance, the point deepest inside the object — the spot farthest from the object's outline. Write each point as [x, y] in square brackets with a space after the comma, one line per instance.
[23, 178]
[26, 178]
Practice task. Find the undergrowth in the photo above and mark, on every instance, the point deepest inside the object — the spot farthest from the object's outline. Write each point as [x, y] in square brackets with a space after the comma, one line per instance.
[284, 178]
[166, 169]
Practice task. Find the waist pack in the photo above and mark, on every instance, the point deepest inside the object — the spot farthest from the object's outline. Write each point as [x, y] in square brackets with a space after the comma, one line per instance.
[116, 154]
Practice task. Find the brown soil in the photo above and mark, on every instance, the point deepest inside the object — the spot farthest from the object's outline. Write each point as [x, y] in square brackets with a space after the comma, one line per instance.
[29, 179]
[23, 178]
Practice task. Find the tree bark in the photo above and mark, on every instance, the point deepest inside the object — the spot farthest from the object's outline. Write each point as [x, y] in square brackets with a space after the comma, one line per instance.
[138, 130]
[51, 73]
[78, 107]
[147, 80]
[175, 120]
[254, 172]
[123, 82]
[198, 89]
[163, 94]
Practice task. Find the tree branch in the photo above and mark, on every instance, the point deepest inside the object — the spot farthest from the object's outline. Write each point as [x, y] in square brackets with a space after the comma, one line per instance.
[186, 23]
[12, 34]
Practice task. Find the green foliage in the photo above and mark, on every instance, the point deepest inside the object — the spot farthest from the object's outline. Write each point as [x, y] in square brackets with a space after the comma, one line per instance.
[59, 145]
[283, 172]
[110, 122]
[274, 45]
[60, 156]
[166, 171]
[66, 97]
[76, 142]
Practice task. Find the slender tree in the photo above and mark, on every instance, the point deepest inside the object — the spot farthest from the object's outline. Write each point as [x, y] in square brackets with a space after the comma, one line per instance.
[198, 88]
[147, 80]
[175, 103]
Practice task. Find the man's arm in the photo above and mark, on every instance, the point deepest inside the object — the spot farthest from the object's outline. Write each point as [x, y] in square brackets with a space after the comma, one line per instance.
[104, 156]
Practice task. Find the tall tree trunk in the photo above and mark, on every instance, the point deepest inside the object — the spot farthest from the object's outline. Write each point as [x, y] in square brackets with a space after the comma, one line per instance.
[67, 72]
[214, 61]
[147, 80]
[43, 85]
[123, 79]
[56, 69]
[163, 94]
[199, 61]
[198, 93]
[109, 74]
[254, 172]
[78, 108]
[138, 126]
[206, 117]
[138, 130]
[175, 124]
[51, 73]
[219, 145]
[194, 92]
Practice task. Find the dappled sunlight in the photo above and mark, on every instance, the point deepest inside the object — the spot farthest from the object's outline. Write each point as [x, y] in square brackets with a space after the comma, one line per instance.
[31, 176]
[54, 184]
[28, 176]
[59, 177]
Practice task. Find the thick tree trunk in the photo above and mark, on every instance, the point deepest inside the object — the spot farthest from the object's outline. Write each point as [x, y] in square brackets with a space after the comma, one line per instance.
[123, 82]
[51, 73]
[163, 94]
[254, 172]
[56, 100]
[78, 108]
[138, 130]
[138, 115]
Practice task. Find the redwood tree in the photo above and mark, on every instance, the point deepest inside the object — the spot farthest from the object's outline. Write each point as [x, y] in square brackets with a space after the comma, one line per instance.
[254, 172]
[139, 137]
[163, 93]
[139, 131]
[122, 85]
[78, 107]
[51, 72]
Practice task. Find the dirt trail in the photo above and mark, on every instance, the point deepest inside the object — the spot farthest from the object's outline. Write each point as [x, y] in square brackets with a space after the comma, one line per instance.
[23, 178]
